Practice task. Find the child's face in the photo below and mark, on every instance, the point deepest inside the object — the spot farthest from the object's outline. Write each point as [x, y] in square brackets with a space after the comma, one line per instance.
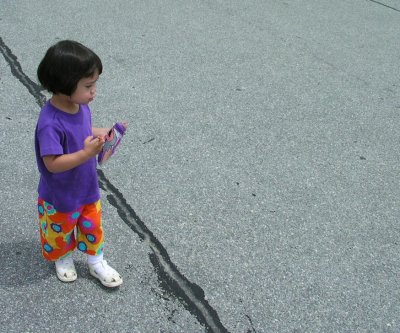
[85, 90]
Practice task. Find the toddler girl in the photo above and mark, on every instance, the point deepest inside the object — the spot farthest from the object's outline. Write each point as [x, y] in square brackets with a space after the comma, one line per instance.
[66, 146]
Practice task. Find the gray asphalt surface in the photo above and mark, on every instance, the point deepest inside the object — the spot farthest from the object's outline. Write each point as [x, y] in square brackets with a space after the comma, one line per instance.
[257, 189]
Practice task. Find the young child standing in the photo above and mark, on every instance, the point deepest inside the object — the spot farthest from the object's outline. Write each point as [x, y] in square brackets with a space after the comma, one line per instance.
[66, 146]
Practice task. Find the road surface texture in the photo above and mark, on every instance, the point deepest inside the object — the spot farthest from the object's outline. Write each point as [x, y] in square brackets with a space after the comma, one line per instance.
[257, 188]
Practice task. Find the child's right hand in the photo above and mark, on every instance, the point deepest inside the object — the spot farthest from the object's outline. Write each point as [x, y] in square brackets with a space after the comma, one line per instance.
[93, 146]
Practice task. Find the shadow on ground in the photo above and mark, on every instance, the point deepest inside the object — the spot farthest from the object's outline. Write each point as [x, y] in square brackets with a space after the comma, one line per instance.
[22, 264]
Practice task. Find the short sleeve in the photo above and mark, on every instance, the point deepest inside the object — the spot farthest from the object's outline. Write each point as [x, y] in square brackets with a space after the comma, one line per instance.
[50, 141]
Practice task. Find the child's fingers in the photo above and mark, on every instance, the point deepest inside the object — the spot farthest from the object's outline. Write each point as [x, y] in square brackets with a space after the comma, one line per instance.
[95, 142]
[88, 139]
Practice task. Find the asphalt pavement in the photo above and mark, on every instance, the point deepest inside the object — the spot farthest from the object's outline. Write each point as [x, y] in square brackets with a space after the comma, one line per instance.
[257, 188]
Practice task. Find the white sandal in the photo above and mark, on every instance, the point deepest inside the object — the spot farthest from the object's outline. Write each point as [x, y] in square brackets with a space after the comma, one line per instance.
[65, 269]
[107, 275]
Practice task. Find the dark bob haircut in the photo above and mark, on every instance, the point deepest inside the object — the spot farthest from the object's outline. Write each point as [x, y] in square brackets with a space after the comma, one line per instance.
[64, 64]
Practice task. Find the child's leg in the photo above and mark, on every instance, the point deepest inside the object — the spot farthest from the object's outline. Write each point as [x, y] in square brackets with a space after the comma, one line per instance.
[91, 241]
[58, 239]
[93, 260]
[90, 231]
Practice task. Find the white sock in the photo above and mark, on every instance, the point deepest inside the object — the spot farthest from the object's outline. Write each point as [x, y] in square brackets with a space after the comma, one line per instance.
[93, 260]
[64, 259]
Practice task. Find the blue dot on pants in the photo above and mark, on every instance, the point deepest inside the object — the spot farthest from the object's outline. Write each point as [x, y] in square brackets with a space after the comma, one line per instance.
[47, 247]
[75, 215]
[56, 227]
[82, 246]
[87, 224]
[90, 238]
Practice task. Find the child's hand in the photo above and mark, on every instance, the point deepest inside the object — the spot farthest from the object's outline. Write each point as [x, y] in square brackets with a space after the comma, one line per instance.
[125, 124]
[93, 146]
[100, 132]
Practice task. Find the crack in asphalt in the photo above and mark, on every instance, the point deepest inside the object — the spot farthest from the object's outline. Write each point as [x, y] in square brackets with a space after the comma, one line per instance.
[382, 4]
[170, 278]
[17, 71]
[172, 281]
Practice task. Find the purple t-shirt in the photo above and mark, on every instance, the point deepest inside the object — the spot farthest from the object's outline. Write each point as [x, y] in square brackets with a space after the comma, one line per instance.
[58, 132]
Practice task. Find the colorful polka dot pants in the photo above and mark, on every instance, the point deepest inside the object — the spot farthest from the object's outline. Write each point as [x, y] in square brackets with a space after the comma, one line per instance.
[61, 233]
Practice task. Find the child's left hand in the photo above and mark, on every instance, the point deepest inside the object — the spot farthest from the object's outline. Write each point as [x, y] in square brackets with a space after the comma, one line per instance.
[100, 132]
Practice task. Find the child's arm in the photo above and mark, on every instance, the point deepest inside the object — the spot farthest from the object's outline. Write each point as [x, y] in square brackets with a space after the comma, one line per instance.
[60, 163]
[99, 132]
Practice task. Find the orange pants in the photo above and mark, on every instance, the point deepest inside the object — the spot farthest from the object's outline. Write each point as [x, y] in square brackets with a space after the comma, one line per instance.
[57, 230]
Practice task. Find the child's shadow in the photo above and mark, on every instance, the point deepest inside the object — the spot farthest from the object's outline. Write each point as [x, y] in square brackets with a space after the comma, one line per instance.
[22, 264]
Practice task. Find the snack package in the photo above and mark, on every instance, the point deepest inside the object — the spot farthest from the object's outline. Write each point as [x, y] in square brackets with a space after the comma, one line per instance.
[113, 139]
